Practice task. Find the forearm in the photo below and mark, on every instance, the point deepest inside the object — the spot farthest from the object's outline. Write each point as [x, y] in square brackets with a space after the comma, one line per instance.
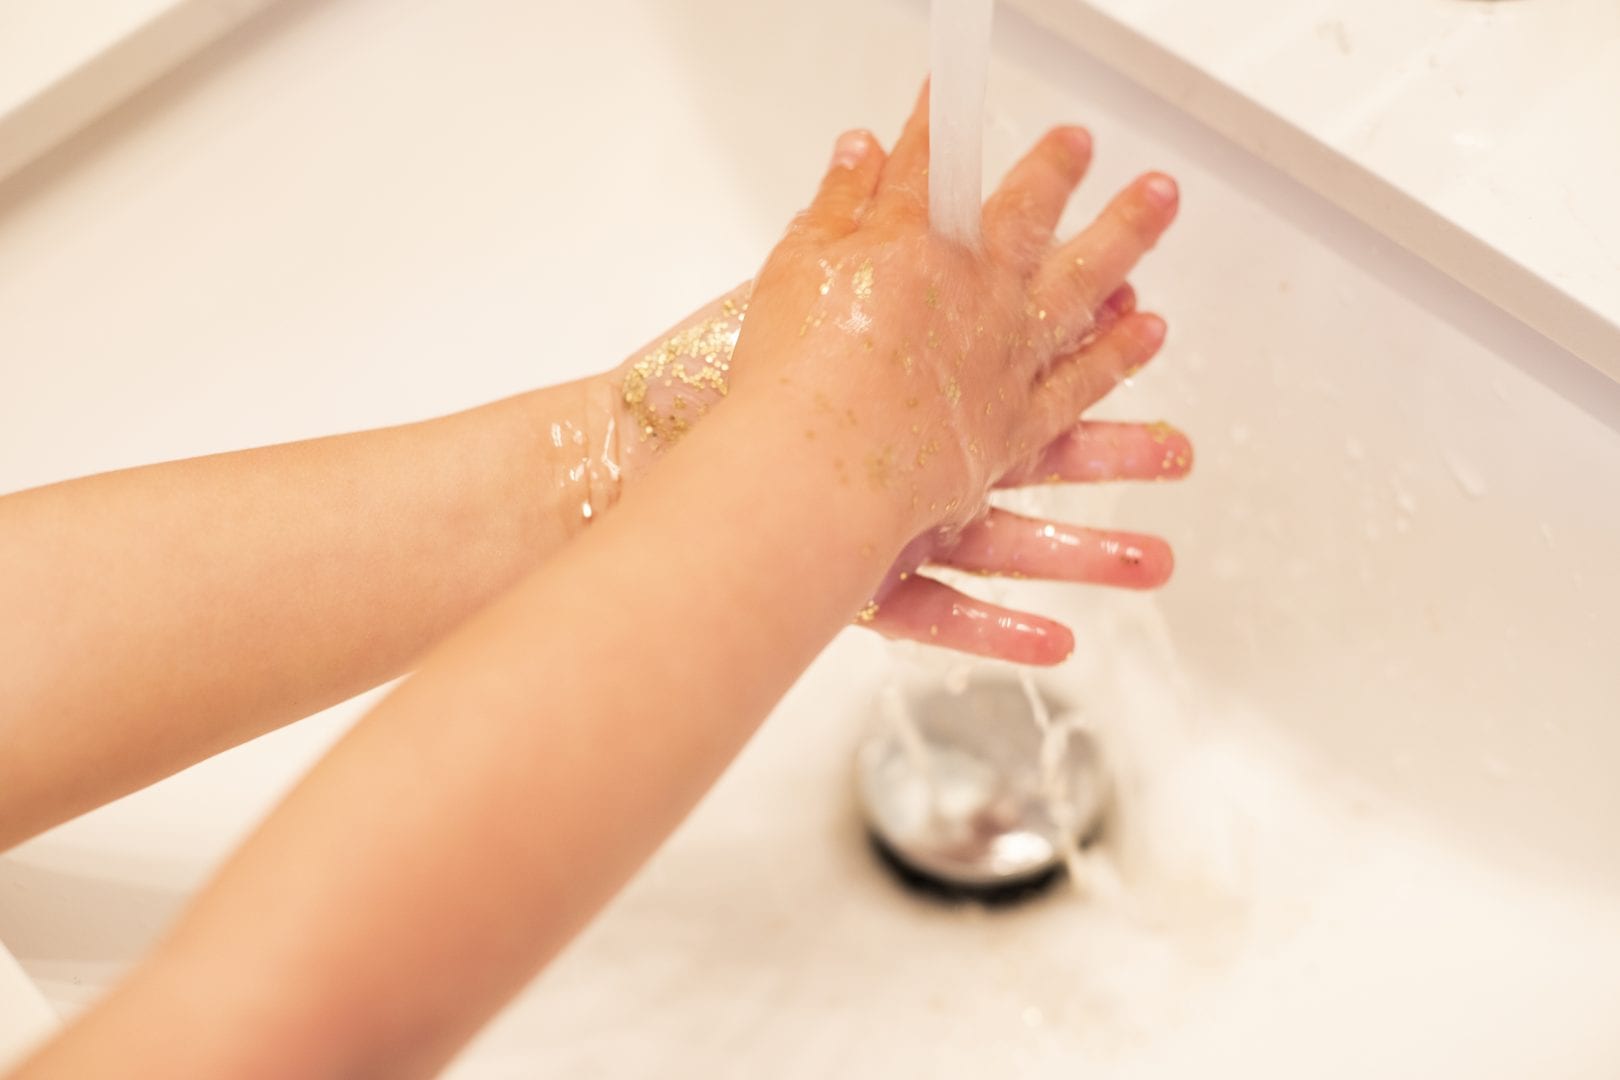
[157, 615]
[565, 731]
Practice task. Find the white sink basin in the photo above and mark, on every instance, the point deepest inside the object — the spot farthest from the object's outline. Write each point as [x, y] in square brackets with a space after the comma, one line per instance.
[1366, 737]
[25, 1017]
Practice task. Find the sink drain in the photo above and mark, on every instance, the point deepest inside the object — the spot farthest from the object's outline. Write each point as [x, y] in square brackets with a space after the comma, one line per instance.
[968, 794]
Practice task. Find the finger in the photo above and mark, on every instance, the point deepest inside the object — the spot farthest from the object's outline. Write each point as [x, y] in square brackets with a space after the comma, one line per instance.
[1020, 216]
[923, 609]
[1012, 545]
[1074, 279]
[902, 191]
[1120, 303]
[1080, 380]
[1097, 451]
[851, 178]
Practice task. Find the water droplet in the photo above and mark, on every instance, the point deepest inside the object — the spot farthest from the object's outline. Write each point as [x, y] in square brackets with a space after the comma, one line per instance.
[1406, 500]
[1468, 478]
[1547, 535]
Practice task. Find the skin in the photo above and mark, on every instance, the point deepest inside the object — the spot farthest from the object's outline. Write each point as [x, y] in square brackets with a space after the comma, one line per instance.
[327, 567]
[481, 814]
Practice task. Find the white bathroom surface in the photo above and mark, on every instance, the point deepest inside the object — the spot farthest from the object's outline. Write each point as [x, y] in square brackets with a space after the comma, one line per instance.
[1483, 135]
[63, 64]
[1365, 739]
[25, 1016]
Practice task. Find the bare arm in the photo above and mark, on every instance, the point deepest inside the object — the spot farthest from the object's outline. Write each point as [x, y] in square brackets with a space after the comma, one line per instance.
[485, 810]
[158, 615]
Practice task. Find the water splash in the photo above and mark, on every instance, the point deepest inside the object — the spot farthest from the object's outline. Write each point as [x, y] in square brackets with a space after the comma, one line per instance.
[1468, 478]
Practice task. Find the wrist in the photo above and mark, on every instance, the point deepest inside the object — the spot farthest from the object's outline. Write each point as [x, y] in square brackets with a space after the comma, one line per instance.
[833, 462]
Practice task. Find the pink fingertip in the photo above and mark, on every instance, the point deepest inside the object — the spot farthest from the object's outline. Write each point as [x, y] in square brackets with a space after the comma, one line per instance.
[1161, 191]
[1179, 452]
[1155, 563]
[851, 149]
[1078, 140]
[1052, 645]
[1150, 330]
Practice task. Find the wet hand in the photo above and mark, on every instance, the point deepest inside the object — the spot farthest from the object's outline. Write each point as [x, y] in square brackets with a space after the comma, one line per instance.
[937, 373]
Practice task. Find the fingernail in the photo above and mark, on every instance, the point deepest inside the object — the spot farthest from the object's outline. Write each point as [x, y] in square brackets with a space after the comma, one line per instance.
[1160, 190]
[850, 150]
[1150, 330]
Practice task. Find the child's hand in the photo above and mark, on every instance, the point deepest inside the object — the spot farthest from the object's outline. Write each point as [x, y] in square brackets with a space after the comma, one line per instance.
[945, 372]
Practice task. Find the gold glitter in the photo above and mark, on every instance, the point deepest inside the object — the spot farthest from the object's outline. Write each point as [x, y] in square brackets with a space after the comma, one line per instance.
[1160, 431]
[953, 392]
[867, 613]
[933, 340]
[932, 297]
[904, 574]
[698, 357]
[868, 550]
[863, 280]
[1041, 314]
[911, 403]
[826, 287]
[879, 466]
[933, 631]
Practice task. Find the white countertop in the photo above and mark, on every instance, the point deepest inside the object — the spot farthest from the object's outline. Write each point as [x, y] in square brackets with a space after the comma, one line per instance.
[1482, 136]
[24, 1015]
